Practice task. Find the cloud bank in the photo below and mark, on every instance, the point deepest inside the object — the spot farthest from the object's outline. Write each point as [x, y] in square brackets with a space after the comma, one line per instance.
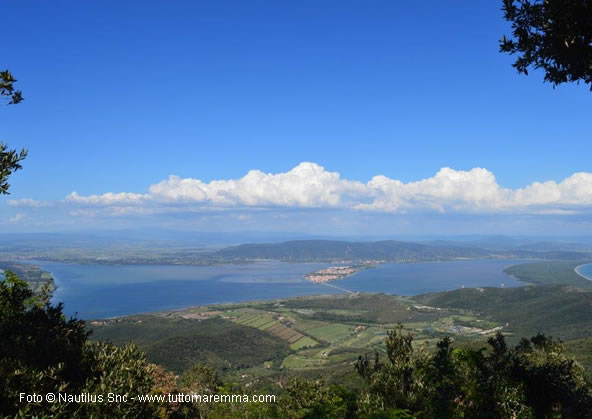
[310, 185]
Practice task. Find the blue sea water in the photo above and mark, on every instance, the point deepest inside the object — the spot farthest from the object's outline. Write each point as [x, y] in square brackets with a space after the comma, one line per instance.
[585, 271]
[100, 291]
[419, 278]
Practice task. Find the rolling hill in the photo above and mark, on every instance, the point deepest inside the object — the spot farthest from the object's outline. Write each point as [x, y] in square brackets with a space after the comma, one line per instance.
[327, 250]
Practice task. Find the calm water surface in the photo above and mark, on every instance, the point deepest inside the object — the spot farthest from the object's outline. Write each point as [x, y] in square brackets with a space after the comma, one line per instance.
[419, 278]
[585, 271]
[99, 291]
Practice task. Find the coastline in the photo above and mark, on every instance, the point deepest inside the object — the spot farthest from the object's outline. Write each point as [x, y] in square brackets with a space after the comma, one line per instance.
[576, 270]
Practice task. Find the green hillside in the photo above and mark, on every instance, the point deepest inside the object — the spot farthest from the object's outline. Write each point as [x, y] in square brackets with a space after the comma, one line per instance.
[322, 250]
[388, 250]
[563, 312]
[179, 343]
[550, 273]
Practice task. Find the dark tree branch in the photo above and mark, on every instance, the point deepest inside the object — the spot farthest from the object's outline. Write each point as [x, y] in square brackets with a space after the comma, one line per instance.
[552, 35]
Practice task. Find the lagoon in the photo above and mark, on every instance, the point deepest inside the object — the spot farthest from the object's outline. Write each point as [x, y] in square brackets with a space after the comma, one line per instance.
[102, 291]
[585, 271]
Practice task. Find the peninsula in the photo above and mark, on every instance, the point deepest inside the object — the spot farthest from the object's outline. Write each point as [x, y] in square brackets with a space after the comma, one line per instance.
[334, 273]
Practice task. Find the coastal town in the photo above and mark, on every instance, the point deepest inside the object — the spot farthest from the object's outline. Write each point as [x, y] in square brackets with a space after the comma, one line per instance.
[338, 272]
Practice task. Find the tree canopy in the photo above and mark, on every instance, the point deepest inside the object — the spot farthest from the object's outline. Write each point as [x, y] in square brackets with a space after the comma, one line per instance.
[535, 379]
[552, 35]
[9, 159]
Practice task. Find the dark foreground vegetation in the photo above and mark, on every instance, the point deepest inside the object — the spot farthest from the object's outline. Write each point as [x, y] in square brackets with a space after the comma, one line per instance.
[43, 352]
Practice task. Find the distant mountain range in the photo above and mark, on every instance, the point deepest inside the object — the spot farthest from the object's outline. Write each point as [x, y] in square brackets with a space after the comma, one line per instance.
[207, 249]
[387, 250]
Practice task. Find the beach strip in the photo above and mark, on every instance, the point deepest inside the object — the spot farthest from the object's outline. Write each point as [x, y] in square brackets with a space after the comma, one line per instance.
[577, 270]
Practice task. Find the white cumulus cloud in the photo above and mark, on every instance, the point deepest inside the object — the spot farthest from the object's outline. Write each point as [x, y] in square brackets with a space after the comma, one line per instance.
[306, 185]
[475, 189]
[310, 185]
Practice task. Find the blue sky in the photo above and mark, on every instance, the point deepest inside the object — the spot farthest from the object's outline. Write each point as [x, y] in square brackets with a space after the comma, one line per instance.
[121, 95]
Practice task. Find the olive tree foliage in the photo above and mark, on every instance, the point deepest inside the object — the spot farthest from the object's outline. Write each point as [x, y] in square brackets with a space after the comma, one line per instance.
[7, 89]
[552, 35]
[9, 159]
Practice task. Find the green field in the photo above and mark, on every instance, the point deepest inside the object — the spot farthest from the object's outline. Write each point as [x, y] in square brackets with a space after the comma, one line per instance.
[330, 332]
[303, 324]
[261, 322]
[303, 342]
